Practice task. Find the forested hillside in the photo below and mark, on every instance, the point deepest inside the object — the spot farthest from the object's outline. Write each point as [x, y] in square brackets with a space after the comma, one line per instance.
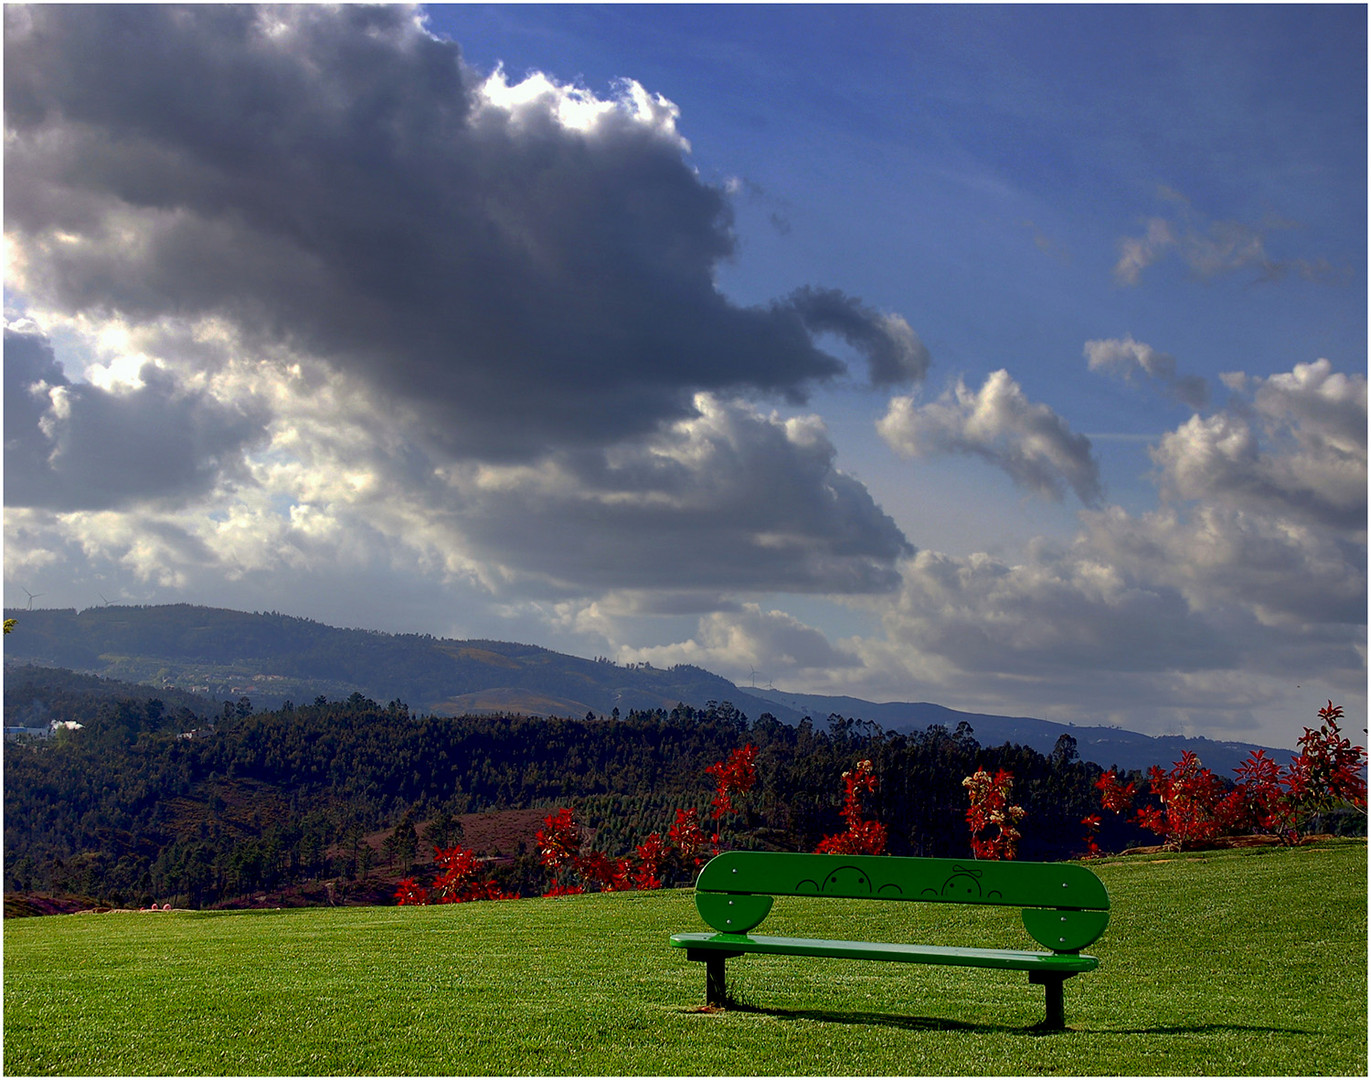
[36, 696]
[135, 807]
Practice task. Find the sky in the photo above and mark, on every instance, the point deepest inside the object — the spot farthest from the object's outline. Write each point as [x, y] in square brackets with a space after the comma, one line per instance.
[1007, 357]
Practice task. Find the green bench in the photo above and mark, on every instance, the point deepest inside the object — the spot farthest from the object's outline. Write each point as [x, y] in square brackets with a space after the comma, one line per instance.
[1065, 908]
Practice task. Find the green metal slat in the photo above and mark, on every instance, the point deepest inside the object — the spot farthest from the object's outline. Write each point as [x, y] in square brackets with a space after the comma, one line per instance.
[883, 877]
[1001, 959]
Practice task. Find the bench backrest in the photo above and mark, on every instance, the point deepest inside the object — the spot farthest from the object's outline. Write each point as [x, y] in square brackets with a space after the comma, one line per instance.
[1065, 906]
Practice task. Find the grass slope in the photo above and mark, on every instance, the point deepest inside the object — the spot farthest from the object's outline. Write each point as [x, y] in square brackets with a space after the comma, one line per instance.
[1238, 962]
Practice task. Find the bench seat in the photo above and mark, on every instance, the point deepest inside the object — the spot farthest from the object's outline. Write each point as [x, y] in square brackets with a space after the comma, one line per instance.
[1002, 959]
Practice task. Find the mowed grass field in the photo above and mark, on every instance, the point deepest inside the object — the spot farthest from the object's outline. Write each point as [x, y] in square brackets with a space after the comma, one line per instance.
[1236, 962]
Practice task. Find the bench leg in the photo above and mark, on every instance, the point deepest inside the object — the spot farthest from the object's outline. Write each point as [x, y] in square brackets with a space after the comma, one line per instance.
[716, 991]
[1051, 981]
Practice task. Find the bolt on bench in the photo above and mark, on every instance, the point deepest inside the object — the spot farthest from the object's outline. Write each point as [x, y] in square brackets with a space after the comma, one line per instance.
[1065, 908]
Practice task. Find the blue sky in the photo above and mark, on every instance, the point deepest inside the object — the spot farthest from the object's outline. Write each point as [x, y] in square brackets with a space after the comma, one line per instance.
[1012, 358]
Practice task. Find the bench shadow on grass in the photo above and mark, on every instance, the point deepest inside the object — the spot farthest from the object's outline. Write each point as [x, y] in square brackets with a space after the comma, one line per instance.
[930, 1023]
[1205, 1029]
[907, 1023]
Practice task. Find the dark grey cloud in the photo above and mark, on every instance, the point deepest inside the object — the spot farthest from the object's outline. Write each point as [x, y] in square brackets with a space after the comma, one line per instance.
[731, 500]
[894, 352]
[30, 368]
[333, 180]
[1057, 612]
[79, 447]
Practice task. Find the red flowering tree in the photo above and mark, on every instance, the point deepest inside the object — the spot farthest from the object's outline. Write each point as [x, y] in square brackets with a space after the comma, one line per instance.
[862, 837]
[1115, 795]
[652, 855]
[1092, 826]
[993, 817]
[1333, 769]
[687, 838]
[654, 860]
[1196, 807]
[1328, 770]
[410, 891]
[736, 776]
[609, 873]
[458, 883]
[1271, 798]
[559, 846]
[460, 879]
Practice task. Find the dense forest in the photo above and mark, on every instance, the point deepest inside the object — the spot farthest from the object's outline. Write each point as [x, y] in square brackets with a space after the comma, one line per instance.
[149, 802]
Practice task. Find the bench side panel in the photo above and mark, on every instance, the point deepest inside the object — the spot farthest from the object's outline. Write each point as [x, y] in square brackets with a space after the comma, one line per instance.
[732, 913]
[888, 877]
[1063, 931]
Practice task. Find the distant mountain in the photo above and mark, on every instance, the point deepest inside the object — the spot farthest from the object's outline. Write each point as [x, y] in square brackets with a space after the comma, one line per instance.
[270, 658]
[1105, 746]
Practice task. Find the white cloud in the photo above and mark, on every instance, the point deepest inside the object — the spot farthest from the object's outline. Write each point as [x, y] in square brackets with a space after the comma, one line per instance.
[1054, 613]
[1124, 356]
[749, 643]
[529, 102]
[1254, 568]
[1298, 451]
[1244, 592]
[379, 336]
[997, 423]
[1136, 254]
[385, 309]
[1275, 571]
[1211, 248]
[730, 499]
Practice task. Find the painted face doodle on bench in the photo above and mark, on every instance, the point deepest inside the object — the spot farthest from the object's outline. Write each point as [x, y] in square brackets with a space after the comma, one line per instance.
[963, 884]
[847, 881]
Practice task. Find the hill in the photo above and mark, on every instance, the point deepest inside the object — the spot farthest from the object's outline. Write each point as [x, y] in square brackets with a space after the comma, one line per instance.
[272, 659]
[36, 696]
[1248, 963]
[275, 658]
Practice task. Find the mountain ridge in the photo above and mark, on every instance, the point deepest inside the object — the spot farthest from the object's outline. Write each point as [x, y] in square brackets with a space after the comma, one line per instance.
[272, 658]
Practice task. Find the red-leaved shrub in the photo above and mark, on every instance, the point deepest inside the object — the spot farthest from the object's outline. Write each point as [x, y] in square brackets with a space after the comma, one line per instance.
[993, 817]
[862, 837]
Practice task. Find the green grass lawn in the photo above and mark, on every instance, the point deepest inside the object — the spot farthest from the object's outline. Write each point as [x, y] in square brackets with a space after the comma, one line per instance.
[1239, 962]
